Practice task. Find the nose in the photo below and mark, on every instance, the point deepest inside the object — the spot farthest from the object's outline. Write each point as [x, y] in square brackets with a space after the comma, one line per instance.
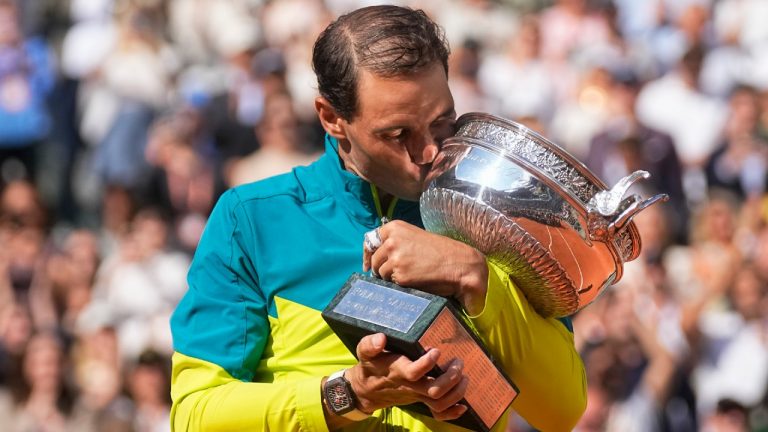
[426, 153]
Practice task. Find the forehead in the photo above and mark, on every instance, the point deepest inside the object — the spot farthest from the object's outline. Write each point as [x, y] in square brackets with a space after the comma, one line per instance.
[423, 95]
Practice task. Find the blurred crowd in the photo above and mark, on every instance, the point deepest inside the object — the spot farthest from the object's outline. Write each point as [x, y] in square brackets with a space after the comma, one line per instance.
[122, 121]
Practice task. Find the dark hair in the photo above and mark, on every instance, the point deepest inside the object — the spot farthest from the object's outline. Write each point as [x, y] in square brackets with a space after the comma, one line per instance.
[385, 40]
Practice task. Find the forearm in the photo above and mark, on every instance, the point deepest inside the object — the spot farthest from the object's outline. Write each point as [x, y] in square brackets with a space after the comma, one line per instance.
[661, 365]
[537, 353]
[205, 397]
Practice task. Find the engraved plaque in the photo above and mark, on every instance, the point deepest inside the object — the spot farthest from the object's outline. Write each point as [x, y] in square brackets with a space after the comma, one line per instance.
[414, 321]
[380, 305]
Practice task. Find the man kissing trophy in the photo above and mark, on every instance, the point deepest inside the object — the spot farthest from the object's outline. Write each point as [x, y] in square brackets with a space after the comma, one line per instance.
[558, 232]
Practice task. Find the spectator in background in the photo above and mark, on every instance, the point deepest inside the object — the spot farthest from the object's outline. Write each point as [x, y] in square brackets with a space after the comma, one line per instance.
[83, 34]
[730, 416]
[139, 284]
[291, 26]
[26, 79]
[138, 74]
[21, 206]
[184, 172]
[148, 381]
[674, 105]
[118, 207]
[43, 401]
[205, 31]
[759, 253]
[743, 22]
[581, 117]
[97, 371]
[728, 63]
[762, 123]
[730, 336]
[627, 367]
[740, 164]
[184, 178]
[517, 81]
[280, 134]
[684, 26]
[233, 114]
[16, 329]
[463, 70]
[704, 267]
[23, 228]
[70, 272]
[570, 29]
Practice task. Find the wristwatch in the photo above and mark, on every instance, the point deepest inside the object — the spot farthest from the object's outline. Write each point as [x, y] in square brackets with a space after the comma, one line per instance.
[340, 398]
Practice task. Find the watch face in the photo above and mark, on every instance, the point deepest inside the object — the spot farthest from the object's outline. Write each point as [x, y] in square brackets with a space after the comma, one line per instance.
[338, 396]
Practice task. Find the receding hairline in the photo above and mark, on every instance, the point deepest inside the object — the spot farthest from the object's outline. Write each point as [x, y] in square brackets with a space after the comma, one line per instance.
[385, 40]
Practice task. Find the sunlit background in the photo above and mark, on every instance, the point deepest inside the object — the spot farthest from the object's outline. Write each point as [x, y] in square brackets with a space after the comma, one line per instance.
[122, 121]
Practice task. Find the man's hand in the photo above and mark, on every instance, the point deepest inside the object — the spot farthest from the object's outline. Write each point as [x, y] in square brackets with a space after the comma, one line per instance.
[383, 379]
[415, 258]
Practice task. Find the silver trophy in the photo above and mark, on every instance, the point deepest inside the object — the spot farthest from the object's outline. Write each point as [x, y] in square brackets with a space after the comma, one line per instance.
[560, 233]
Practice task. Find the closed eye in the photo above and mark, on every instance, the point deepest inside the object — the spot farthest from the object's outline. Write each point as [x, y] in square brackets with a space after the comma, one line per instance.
[396, 135]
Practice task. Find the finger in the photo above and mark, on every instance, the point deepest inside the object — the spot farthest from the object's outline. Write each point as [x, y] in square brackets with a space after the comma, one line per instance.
[451, 398]
[371, 346]
[379, 259]
[452, 413]
[440, 386]
[366, 259]
[385, 270]
[415, 370]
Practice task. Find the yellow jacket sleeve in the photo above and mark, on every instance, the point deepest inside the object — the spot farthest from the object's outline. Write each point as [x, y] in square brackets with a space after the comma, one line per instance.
[207, 398]
[537, 353]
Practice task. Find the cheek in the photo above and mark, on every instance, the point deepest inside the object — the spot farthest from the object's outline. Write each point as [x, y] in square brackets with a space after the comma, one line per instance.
[384, 158]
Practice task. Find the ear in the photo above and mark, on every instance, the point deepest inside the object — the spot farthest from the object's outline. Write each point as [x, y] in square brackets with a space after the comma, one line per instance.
[330, 119]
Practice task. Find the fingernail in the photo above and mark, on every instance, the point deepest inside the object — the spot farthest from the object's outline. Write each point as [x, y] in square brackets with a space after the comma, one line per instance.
[434, 354]
[378, 340]
[462, 409]
[458, 364]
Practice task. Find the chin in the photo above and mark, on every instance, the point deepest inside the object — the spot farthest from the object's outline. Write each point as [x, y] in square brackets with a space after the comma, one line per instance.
[412, 194]
[409, 190]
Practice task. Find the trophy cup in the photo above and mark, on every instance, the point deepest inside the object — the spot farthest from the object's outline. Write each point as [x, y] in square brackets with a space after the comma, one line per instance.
[559, 232]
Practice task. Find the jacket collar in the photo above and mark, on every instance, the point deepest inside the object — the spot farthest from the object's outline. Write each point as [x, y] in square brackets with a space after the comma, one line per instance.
[355, 194]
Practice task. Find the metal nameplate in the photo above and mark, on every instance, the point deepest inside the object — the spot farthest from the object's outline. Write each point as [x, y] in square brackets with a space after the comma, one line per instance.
[382, 306]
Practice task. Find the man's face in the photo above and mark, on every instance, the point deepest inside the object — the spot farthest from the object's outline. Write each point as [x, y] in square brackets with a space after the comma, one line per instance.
[399, 127]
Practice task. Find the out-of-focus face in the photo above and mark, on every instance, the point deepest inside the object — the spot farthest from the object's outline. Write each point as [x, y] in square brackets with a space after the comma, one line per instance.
[147, 384]
[42, 364]
[747, 294]
[399, 127]
[9, 26]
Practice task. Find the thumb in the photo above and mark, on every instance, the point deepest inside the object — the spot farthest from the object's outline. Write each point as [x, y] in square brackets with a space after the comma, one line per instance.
[371, 346]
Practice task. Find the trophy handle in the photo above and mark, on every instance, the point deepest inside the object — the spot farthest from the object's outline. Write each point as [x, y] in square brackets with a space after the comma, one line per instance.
[602, 209]
[636, 207]
[607, 202]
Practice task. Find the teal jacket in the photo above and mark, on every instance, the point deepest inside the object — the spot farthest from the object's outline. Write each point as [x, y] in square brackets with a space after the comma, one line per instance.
[251, 347]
